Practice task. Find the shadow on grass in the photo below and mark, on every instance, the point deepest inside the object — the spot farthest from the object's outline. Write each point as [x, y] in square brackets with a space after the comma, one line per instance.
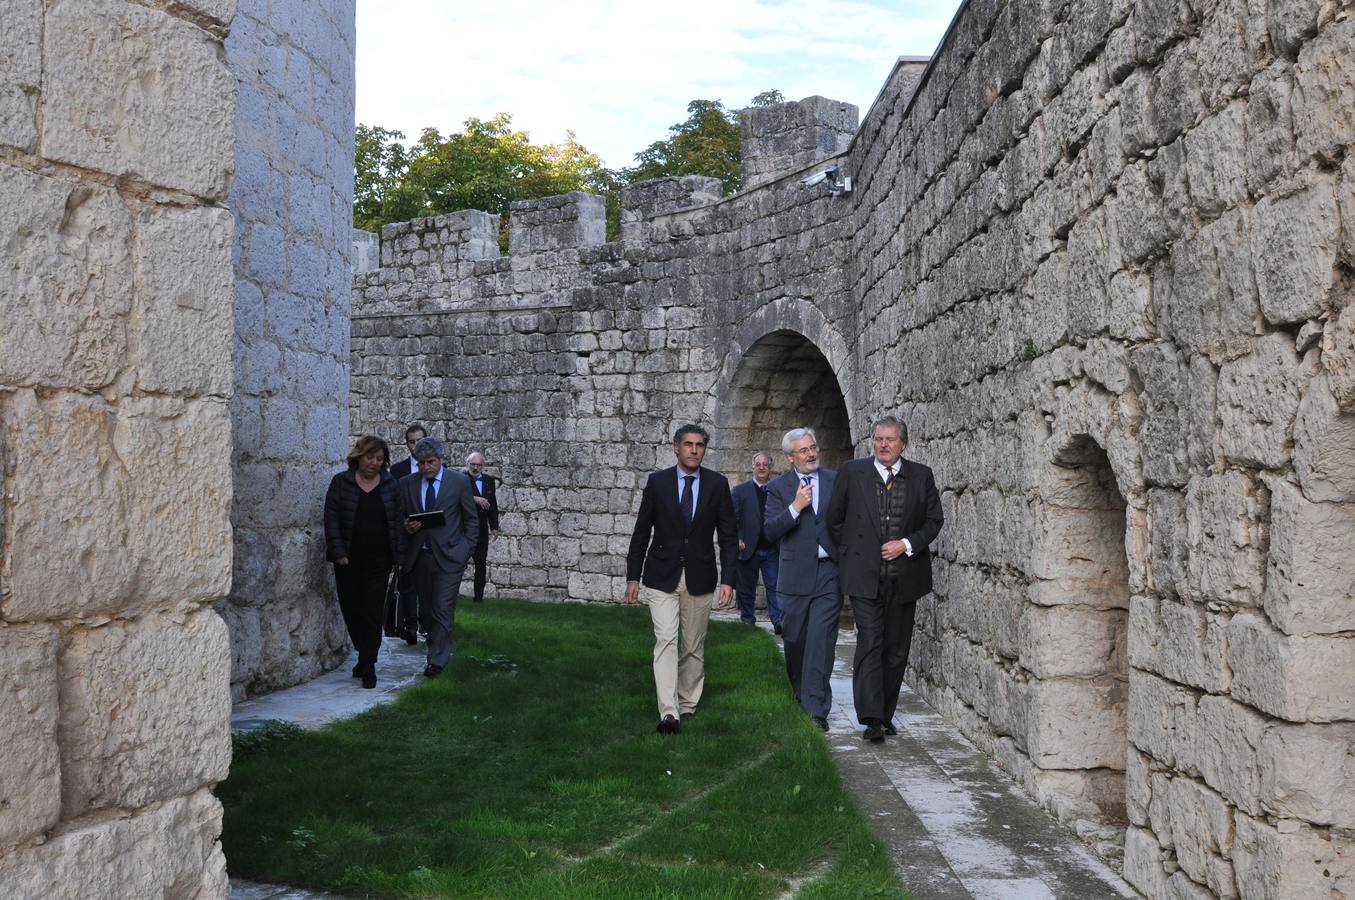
[531, 769]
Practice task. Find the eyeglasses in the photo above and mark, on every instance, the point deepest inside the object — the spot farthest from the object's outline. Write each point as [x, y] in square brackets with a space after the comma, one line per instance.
[812, 448]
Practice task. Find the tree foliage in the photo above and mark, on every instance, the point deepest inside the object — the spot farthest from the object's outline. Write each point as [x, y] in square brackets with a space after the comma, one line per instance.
[487, 165]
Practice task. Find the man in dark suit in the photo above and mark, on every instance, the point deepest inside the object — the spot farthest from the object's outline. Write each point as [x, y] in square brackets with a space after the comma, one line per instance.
[402, 620]
[807, 583]
[682, 509]
[487, 498]
[437, 555]
[885, 513]
[756, 553]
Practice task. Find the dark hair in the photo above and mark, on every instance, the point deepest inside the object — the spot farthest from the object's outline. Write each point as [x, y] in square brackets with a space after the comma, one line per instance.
[366, 444]
[891, 422]
[691, 429]
[413, 428]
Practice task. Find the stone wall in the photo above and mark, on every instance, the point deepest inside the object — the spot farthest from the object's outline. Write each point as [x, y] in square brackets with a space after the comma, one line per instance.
[116, 290]
[292, 198]
[1099, 256]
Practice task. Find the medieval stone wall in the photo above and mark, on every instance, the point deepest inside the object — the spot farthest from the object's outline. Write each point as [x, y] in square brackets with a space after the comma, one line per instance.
[292, 198]
[1104, 265]
[1099, 256]
[116, 290]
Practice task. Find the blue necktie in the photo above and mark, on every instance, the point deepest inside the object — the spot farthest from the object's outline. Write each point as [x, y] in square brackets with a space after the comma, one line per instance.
[688, 507]
[808, 480]
[430, 496]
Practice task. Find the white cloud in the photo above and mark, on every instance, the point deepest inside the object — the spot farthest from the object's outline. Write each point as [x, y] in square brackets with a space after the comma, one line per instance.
[619, 74]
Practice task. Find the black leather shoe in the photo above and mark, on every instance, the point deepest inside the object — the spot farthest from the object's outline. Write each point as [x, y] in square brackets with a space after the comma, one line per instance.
[369, 679]
[432, 671]
[776, 628]
[410, 637]
[357, 671]
[669, 725]
[690, 714]
[821, 722]
[890, 729]
[874, 733]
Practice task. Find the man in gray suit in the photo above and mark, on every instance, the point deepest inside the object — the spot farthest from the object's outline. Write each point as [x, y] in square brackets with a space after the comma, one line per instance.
[437, 555]
[807, 581]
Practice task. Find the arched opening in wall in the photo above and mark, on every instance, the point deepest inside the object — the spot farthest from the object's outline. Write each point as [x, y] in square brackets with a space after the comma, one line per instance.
[1073, 639]
[782, 382]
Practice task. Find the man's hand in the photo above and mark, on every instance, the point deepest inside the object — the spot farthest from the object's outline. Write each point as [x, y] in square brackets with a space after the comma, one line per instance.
[742, 546]
[803, 497]
[412, 526]
[341, 561]
[632, 591]
[726, 595]
[482, 502]
[892, 550]
[493, 535]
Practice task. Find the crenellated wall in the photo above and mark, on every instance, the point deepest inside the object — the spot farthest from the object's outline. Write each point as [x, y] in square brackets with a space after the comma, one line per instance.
[1099, 256]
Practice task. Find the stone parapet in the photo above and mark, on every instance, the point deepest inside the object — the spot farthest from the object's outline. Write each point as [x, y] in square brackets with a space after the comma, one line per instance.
[566, 222]
[784, 137]
[646, 199]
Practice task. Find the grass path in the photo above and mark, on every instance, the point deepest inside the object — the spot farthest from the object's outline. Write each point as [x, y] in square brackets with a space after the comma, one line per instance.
[531, 769]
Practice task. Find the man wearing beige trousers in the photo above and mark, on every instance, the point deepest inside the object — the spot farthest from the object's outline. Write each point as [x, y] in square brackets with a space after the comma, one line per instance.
[672, 554]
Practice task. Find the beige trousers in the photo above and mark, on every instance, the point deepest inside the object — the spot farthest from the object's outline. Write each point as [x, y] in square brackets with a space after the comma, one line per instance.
[680, 621]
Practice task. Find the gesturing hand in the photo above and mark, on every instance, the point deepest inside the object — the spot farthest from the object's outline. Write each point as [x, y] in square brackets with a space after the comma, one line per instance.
[803, 498]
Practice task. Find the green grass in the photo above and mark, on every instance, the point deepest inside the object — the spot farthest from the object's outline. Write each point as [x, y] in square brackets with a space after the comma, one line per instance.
[531, 769]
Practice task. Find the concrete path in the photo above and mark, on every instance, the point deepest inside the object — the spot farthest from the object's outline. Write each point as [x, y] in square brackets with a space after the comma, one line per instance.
[955, 827]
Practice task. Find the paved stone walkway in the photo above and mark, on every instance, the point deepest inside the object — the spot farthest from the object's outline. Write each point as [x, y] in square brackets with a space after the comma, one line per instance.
[955, 826]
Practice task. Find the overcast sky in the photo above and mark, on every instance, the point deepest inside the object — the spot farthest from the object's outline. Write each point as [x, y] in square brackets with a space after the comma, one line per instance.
[620, 73]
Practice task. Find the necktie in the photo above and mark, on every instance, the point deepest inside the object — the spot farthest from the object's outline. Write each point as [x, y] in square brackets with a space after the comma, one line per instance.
[688, 506]
[889, 478]
[430, 497]
[809, 480]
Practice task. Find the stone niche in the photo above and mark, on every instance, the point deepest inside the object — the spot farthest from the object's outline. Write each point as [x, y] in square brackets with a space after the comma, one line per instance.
[1098, 257]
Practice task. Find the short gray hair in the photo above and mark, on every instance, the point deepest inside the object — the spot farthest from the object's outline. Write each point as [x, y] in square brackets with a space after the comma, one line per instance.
[763, 453]
[428, 448]
[891, 422]
[794, 435]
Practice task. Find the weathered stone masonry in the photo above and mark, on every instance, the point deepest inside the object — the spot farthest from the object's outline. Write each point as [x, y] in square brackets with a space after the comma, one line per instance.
[116, 122]
[1101, 256]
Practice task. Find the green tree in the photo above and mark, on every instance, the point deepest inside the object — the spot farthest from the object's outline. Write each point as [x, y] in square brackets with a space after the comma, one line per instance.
[486, 166]
[706, 143]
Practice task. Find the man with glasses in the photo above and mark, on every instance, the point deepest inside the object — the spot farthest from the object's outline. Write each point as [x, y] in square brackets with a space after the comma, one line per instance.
[807, 581]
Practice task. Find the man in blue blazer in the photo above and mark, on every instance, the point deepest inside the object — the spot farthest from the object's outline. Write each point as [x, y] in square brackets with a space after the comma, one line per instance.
[756, 553]
[807, 584]
[672, 553]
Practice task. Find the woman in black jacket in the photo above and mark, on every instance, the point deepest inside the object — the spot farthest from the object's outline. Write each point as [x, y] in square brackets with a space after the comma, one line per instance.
[361, 517]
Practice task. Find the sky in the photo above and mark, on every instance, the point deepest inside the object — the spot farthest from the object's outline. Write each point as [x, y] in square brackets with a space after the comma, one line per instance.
[619, 74]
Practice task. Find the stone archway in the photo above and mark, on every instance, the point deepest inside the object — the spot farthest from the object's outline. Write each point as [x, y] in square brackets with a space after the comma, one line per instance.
[782, 381]
[1073, 637]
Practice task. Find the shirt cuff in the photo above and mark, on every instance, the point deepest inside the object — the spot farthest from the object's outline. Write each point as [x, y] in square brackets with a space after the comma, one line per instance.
[794, 513]
[907, 547]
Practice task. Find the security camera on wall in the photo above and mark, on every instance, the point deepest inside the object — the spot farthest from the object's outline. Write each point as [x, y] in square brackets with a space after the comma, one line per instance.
[836, 185]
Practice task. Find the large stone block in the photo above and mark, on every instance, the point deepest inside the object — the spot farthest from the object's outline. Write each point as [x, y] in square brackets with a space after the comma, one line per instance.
[149, 526]
[1143, 862]
[186, 289]
[1289, 860]
[1202, 834]
[1077, 724]
[1226, 535]
[1072, 641]
[1293, 242]
[1310, 571]
[1258, 398]
[168, 851]
[145, 711]
[20, 71]
[139, 93]
[1205, 297]
[1302, 678]
[1308, 773]
[30, 778]
[1324, 443]
[1181, 641]
[66, 285]
[1324, 99]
